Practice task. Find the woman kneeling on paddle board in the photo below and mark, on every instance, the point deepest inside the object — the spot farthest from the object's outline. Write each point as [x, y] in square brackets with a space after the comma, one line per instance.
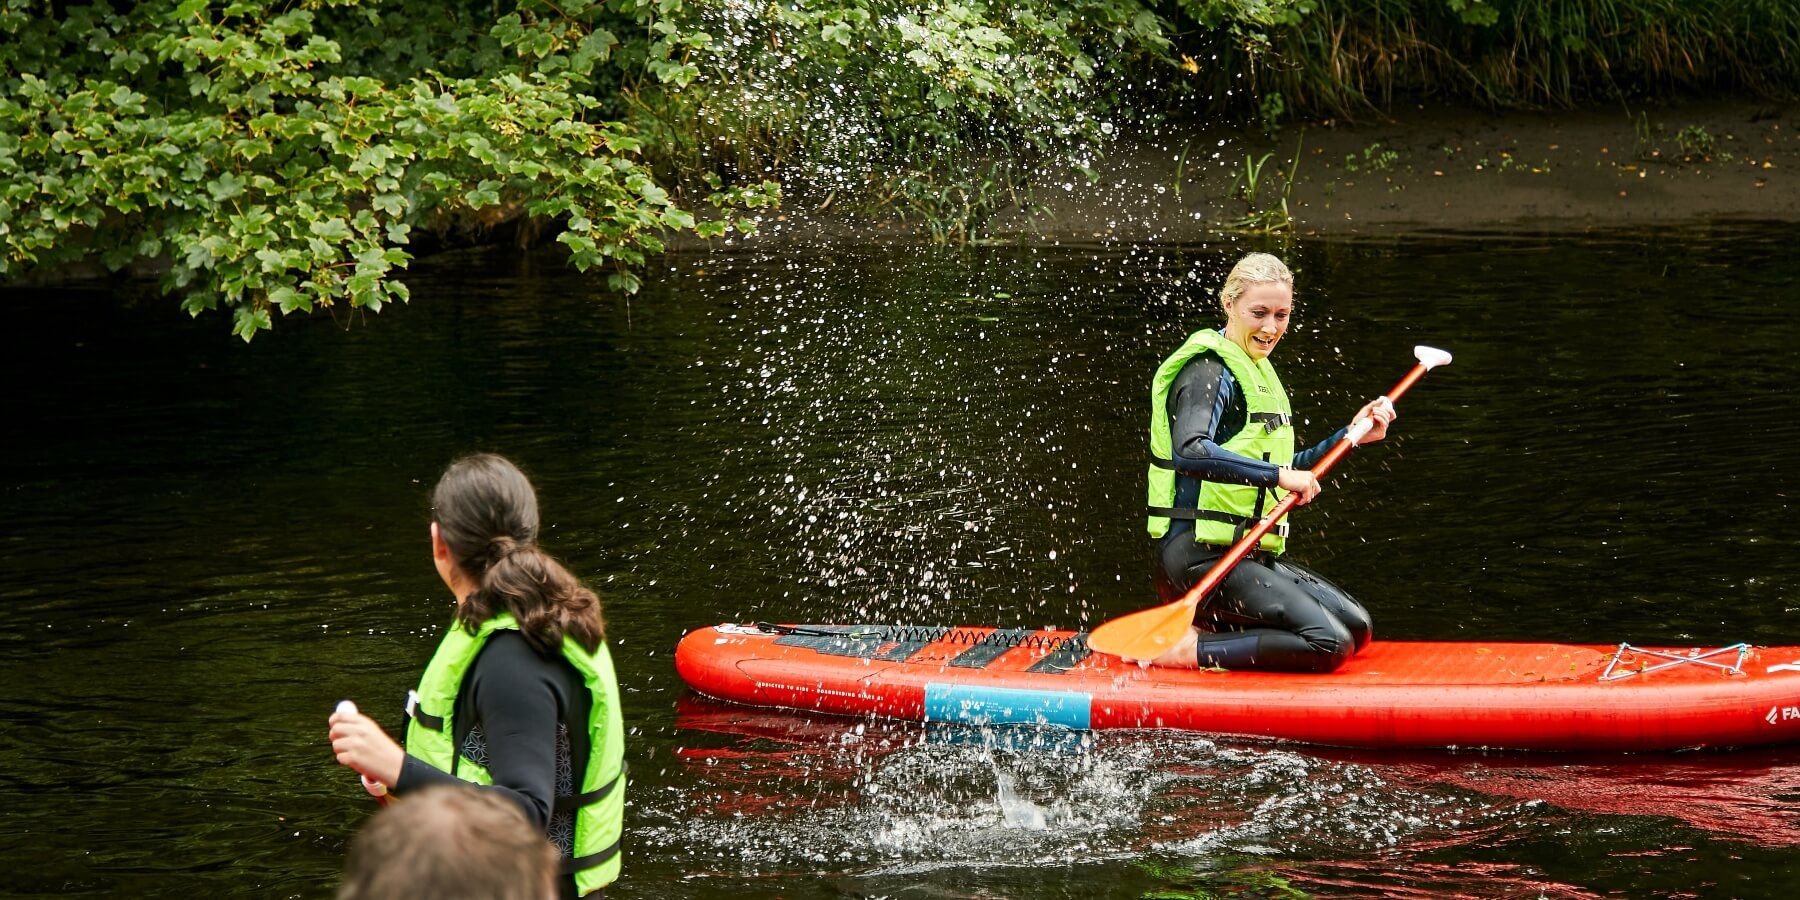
[1222, 454]
[520, 696]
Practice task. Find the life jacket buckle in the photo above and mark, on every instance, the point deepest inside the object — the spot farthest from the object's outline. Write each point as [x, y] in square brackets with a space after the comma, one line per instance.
[412, 704]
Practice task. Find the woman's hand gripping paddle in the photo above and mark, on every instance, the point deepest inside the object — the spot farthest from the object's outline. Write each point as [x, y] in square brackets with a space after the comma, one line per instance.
[1149, 634]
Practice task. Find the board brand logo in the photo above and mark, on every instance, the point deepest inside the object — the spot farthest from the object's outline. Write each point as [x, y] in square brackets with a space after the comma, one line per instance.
[1782, 714]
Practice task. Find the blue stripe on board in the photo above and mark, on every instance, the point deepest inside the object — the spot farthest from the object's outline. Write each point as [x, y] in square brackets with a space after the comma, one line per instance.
[971, 705]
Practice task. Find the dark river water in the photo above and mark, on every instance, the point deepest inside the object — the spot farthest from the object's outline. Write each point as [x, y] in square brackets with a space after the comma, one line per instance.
[207, 545]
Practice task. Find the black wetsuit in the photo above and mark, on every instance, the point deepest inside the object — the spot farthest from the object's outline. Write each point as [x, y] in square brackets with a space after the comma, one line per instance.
[525, 718]
[1269, 613]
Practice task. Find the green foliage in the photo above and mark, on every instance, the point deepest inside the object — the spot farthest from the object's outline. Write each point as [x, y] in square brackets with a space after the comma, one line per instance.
[1699, 144]
[1474, 12]
[1250, 178]
[1248, 16]
[246, 145]
[1695, 142]
[1375, 158]
[279, 156]
[940, 109]
[1273, 109]
[1270, 218]
[1180, 169]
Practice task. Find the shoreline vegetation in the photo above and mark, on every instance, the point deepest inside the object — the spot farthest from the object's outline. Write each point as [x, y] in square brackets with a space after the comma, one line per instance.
[270, 158]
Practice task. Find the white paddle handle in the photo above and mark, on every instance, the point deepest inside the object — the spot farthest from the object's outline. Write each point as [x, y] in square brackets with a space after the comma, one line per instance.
[1431, 357]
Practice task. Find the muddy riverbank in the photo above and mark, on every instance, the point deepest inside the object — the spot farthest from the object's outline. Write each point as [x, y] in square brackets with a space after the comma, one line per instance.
[1418, 171]
[1444, 170]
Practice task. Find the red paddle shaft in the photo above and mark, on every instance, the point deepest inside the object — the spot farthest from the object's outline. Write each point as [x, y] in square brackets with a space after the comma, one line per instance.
[1429, 358]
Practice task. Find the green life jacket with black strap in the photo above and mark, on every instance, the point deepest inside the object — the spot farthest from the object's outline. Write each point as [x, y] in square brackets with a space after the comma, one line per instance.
[1225, 512]
[599, 808]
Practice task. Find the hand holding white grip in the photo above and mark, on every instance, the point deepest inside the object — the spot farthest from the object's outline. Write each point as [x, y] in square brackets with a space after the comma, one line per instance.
[375, 788]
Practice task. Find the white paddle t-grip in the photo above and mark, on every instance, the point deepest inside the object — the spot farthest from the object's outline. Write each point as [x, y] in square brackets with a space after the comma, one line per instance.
[1429, 358]
[375, 788]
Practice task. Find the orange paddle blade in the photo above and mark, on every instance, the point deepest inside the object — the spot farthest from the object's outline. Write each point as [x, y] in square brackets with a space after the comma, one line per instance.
[1144, 635]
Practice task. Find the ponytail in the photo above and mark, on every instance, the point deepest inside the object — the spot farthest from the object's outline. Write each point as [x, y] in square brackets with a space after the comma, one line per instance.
[486, 512]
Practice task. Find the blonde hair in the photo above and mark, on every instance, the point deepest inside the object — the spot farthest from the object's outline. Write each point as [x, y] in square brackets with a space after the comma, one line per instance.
[1254, 268]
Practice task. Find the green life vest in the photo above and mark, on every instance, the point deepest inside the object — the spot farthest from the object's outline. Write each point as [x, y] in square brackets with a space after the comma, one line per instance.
[600, 808]
[1225, 511]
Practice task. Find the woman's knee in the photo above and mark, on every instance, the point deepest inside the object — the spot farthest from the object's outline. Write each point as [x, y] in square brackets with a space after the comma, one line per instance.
[1335, 601]
[1355, 620]
[1362, 630]
[1331, 641]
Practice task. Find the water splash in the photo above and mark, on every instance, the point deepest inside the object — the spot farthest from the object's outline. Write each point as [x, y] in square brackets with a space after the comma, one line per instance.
[887, 799]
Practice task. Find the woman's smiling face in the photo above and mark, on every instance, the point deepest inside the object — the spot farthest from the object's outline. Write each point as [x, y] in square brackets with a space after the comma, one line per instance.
[1259, 317]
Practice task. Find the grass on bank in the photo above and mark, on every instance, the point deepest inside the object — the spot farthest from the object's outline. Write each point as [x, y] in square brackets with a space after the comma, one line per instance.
[1353, 57]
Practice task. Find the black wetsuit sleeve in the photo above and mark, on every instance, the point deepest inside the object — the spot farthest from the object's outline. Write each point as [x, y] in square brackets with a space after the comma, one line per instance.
[417, 774]
[1306, 458]
[515, 696]
[1201, 401]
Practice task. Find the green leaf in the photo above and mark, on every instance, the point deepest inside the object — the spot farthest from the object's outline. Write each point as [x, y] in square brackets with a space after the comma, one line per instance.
[248, 320]
[332, 229]
[392, 204]
[287, 300]
[484, 195]
[600, 43]
[225, 187]
[624, 282]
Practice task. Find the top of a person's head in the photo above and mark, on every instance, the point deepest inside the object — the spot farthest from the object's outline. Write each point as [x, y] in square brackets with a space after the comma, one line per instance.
[450, 843]
[487, 515]
[1254, 268]
[485, 508]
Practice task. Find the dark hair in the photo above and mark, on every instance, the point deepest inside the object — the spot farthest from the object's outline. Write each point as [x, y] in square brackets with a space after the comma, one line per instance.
[487, 513]
[449, 843]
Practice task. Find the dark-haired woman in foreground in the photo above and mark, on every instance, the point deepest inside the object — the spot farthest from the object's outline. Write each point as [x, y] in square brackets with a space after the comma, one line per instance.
[520, 697]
